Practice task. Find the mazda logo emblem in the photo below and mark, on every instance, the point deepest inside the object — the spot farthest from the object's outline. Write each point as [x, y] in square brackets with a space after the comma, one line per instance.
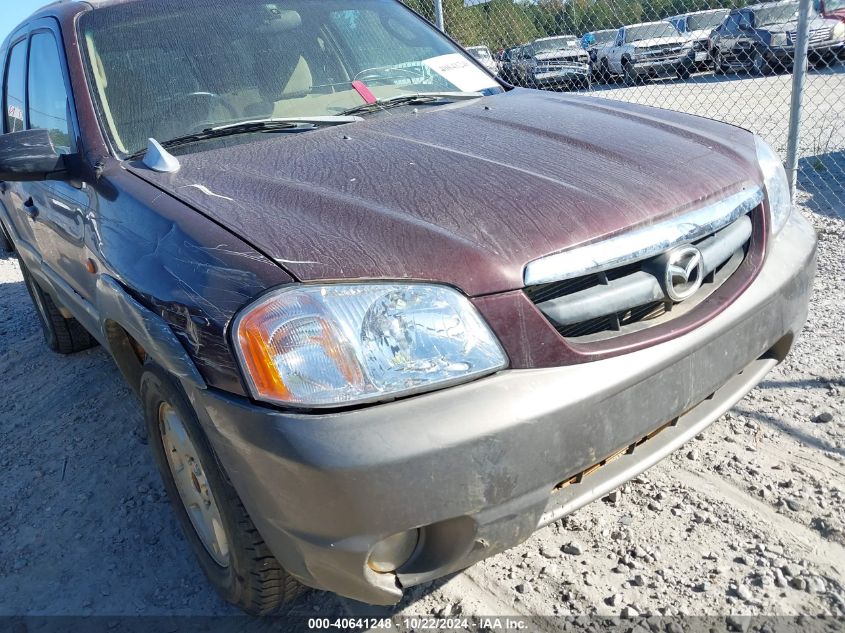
[683, 274]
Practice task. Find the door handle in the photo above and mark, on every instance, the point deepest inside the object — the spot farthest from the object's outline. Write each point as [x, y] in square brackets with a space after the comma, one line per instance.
[30, 208]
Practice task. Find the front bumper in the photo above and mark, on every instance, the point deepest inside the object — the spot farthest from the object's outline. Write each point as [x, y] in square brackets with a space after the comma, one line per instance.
[671, 66]
[785, 54]
[478, 466]
[565, 76]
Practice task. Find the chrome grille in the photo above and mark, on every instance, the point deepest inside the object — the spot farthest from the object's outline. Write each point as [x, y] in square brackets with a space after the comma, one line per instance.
[817, 36]
[656, 52]
[608, 300]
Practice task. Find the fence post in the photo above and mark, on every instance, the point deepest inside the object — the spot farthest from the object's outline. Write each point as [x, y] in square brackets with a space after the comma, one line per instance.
[799, 73]
[438, 14]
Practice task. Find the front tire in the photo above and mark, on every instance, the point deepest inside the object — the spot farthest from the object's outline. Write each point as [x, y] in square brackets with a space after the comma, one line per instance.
[62, 335]
[630, 74]
[718, 63]
[218, 528]
[759, 65]
[602, 74]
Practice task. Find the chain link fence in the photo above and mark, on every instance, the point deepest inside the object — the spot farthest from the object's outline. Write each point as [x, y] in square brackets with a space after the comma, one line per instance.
[725, 60]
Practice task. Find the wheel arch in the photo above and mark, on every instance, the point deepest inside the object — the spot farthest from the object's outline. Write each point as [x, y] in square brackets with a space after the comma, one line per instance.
[132, 333]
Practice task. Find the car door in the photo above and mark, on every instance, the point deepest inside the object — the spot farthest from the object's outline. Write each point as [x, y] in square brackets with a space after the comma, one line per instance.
[516, 66]
[12, 194]
[614, 56]
[56, 211]
[525, 59]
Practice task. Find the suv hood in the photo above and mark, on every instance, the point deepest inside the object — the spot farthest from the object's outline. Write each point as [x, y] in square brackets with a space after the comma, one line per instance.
[660, 41]
[700, 34]
[563, 53]
[816, 22]
[465, 194]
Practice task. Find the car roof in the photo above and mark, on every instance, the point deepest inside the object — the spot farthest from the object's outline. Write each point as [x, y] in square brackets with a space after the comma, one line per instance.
[555, 37]
[703, 11]
[764, 5]
[666, 21]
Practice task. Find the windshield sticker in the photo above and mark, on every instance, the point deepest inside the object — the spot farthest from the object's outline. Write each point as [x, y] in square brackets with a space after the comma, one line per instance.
[460, 72]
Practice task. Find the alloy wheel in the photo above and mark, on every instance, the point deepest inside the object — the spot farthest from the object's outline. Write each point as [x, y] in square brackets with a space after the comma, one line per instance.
[193, 485]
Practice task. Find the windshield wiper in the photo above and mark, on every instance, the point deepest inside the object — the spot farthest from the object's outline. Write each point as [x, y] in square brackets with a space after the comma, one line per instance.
[410, 99]
[294, 124]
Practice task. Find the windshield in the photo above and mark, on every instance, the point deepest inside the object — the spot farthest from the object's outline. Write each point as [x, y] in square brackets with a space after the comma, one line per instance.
[834, 5]
[649, 31]
[163, 71]
[555, 44]
[604, 37]
[705, 21]
[776, 15]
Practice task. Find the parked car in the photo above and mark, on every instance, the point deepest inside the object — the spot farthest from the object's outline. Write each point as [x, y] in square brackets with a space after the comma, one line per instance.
[509, 69]
[834, 9]
[595, 42]
[762, 37]
[698, 26]
[385, 315]
[483, 54]
[550, 62]
[651, 49]
[558, 62]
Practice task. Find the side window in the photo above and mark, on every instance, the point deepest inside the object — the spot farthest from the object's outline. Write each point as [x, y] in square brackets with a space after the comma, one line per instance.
[48, 98]
[15, 88]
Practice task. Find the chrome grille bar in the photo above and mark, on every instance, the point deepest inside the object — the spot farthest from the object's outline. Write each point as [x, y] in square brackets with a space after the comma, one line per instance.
[642, 287]
[643, 243]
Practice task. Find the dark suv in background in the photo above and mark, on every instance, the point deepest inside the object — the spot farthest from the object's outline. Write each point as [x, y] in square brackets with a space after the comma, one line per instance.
[762, 37]
[385, 315]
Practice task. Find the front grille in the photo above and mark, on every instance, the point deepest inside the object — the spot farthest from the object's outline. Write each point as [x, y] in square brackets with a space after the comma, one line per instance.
[564, 61]
[656, 52]
[817, 36]
[634, 296]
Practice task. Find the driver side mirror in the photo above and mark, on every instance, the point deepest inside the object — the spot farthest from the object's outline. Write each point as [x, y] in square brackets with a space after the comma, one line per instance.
[30, 155]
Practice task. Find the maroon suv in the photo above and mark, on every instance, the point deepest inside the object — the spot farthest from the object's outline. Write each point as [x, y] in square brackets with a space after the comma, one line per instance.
[386, 315]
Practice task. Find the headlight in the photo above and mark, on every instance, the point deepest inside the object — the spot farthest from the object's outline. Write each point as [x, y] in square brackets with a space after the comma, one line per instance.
[340, 344]
[839, 31]
[776, 185]
[778, 39]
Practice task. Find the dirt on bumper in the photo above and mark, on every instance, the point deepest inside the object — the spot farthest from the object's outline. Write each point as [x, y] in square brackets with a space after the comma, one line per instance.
[475, 465]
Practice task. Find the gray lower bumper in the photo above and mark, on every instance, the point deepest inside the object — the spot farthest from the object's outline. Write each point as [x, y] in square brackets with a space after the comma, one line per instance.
[663, 66]
[477, 464]
[568, 76]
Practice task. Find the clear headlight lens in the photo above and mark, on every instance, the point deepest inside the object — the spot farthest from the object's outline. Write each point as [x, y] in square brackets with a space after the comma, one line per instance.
[778, 39]
[839, 31]
[339, 344]
[776, 185]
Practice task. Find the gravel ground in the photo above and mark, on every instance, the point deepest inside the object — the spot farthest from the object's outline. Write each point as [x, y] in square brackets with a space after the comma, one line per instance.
[746, 519]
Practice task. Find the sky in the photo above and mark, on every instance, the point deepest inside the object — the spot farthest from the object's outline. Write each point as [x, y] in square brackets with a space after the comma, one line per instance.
[13, 12]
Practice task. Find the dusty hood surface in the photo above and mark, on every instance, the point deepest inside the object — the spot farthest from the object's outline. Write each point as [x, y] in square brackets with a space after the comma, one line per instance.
[464, 194]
